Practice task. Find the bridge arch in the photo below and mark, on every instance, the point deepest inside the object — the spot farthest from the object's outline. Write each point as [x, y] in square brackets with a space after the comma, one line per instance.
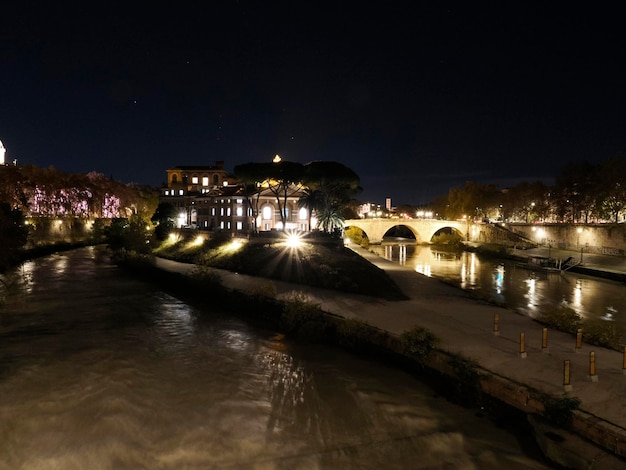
[450, 231]
[403, 231]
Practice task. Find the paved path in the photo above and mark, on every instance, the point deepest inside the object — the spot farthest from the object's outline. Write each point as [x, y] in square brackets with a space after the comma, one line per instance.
[465, 327]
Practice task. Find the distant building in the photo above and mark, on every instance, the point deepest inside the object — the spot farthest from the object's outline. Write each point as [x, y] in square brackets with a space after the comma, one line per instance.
[209, 198]
[370, 209]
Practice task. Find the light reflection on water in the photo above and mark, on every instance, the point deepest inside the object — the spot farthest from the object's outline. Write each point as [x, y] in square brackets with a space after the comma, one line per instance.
[530, 292]
[111, 373]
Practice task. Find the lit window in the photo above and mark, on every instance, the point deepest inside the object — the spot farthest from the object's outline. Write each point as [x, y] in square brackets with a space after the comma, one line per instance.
[194, 180]
[221, 211]
[167, 193]
[228, 211]
[239, 201]
[303, 214]
[222, 224]
[267, 212]
[205, 181]
[239, 211]
[228, 225]
[212, 210]
[239, 225]
[181, 192]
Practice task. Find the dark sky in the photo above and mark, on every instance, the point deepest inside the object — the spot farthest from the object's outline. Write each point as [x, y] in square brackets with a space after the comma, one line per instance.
[416, 97]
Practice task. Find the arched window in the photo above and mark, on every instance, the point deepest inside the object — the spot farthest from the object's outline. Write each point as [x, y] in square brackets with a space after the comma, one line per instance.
[267, 213]
[216, 180]
[303, 213]
[174, 179]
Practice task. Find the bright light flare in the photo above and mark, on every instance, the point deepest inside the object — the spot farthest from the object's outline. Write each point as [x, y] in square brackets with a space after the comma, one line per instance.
[199, 240]
[234, 245]
[293, 240]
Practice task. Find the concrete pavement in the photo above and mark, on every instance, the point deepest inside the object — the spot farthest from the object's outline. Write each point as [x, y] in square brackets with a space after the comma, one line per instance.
[465, 327]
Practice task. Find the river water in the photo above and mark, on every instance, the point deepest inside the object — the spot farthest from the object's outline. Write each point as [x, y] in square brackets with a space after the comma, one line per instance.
[100, 370]
[523, 290]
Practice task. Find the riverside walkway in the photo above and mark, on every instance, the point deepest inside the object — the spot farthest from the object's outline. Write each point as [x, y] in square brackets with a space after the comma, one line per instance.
[465, 327]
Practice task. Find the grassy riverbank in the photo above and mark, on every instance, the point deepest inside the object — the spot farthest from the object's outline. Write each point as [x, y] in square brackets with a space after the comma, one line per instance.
[324, 265]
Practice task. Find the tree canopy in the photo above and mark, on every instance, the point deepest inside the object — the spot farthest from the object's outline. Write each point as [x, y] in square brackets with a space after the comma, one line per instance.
[325, 187]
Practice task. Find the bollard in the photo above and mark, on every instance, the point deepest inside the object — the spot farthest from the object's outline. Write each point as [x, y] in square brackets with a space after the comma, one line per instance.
[592, 367]
[624, 362]
[522, 346]
[567, 386]
[544, 340]
[579, 339]
[496, 324]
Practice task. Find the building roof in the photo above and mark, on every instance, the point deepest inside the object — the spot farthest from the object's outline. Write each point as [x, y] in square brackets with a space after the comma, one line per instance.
[198, 167]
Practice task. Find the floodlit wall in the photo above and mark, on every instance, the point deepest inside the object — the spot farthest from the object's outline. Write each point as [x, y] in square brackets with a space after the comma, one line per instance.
[609, 239]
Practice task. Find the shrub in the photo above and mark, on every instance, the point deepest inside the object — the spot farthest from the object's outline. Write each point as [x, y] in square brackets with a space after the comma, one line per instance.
[467, 389]
[298, 311]
[452, 240]
[418, 342]
[356, 333]
[601, 334]
[562, 318]
[558, 411]
[264, 289]
[355, 235]
[204, 274]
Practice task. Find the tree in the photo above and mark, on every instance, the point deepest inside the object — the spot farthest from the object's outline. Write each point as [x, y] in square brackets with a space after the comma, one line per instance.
[473, 201]
[527, 201]
[575, 191]
[330, 190]
[250, 176]
[128, 234]
[611, 188]
[312, 200]
[13, 235]
[164, 218]
[330, 219]
[282, 178]
[12, 187]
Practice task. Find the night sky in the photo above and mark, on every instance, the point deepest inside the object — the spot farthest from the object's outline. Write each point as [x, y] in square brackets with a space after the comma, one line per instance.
[416, 97]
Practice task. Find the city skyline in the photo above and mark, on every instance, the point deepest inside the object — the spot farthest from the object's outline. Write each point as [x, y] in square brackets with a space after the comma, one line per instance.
[414, 101]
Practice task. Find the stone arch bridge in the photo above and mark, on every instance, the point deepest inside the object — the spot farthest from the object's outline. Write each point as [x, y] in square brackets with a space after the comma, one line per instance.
[423, 229]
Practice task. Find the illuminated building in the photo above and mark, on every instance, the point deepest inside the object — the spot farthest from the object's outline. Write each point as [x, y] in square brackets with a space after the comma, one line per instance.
[208, 198]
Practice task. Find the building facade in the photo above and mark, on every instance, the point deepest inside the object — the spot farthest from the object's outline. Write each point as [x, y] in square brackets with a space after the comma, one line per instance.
[208, 198]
